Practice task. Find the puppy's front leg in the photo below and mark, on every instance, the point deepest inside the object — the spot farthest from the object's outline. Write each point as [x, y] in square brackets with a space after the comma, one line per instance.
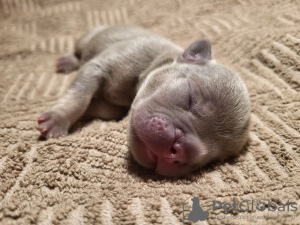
[57, 121]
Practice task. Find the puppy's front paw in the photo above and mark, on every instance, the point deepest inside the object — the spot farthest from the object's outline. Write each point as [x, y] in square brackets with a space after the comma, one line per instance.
[53, 125]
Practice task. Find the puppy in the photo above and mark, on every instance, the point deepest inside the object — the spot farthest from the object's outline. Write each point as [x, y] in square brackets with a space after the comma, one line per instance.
[186, 110]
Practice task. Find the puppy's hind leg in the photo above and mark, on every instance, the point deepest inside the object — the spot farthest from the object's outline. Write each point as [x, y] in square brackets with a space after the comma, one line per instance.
[67, 63]
[71, 62]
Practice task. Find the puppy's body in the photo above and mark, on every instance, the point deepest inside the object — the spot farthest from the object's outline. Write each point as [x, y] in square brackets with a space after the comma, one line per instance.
[186, 110]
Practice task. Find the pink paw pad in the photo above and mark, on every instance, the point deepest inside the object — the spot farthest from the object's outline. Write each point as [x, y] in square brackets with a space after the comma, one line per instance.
[42, 119]
[66, 64]
[52, 125]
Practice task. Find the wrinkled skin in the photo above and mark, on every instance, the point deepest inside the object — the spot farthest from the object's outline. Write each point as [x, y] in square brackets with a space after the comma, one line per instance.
[186, 110]
[182, 118]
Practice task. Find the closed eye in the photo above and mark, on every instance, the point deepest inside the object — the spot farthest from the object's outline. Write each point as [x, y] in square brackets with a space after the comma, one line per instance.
[190, 99]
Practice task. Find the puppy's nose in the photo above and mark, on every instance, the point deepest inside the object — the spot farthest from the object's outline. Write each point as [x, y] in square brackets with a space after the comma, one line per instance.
[157, 125]
[175, 156]
[158, 134]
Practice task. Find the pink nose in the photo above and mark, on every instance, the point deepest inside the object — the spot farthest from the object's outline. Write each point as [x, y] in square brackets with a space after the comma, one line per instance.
[174, 156]
[158, 134]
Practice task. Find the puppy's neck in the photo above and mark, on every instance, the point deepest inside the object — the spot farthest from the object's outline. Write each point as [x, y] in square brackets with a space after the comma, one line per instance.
[163, 59]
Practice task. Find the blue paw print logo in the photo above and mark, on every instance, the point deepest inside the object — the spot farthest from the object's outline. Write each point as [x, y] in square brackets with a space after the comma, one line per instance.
[260, 206]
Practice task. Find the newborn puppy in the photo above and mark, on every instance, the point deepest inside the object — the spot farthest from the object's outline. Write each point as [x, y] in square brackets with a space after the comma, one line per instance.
[185, 109]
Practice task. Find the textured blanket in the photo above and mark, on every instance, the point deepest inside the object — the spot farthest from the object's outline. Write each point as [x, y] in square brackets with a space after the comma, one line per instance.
[89, 176]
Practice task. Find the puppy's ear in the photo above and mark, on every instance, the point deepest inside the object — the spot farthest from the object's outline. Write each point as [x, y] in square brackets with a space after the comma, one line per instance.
[199, 53]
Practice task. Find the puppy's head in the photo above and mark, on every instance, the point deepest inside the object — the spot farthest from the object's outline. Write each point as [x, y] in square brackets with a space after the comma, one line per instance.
[188, 113]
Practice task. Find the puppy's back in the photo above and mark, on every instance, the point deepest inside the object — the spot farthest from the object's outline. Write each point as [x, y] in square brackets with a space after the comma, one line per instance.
[100, 38]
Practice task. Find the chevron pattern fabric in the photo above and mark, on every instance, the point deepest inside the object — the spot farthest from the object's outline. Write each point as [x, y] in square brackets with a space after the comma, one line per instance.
[89, 176]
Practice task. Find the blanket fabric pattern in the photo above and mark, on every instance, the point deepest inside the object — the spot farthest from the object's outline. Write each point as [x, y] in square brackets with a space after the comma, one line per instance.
[89, 177]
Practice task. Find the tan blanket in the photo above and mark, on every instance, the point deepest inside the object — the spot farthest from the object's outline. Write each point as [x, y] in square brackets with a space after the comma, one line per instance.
[89, 177]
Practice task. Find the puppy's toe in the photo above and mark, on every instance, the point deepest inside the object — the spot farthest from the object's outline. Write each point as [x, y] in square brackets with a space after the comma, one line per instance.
[52, 125]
